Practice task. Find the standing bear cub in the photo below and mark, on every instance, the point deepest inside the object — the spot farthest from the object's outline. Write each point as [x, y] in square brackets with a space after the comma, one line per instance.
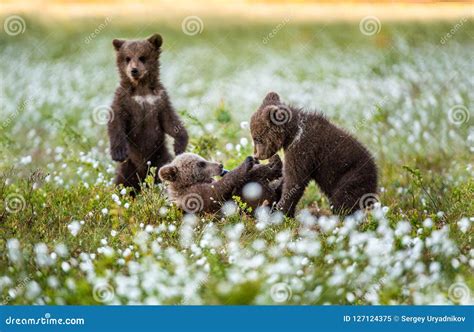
[314, 149]
[191, 184]
[141, 113]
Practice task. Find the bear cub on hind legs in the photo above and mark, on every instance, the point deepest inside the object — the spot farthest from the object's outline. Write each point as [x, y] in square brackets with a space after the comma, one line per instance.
[141, 113]
[315, 149]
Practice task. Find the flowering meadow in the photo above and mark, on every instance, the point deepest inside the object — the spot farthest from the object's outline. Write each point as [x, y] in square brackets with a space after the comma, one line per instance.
[69, 236]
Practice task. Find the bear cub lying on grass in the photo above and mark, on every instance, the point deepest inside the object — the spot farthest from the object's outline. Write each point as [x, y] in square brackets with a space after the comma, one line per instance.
[141, 113]
[193, 188]
[314, 149]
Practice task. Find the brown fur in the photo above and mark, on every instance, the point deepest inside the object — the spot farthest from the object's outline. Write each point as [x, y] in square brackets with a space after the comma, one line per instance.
[192, 187]
[141, 113]
[316, 150]
[269, 177]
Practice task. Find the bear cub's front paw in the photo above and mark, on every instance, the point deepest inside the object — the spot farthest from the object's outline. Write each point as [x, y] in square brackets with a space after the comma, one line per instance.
[119, 153]
[248, 163]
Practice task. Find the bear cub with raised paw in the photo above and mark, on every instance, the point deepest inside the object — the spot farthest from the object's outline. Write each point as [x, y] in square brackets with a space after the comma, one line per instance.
[315, 149]
[192, 187]
[141, 113]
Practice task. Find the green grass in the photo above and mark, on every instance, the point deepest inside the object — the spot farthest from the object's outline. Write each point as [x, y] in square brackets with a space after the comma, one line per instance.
[395, 91]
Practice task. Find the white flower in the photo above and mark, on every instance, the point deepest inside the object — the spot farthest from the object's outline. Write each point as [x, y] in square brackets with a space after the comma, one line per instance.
[61, 250]
[229, 208]
[14, 252]
[65, 266]
[327, 224]
[428, 223]
[464, 225]
[350, 297]
[403, 227]
[33, 289]
[283, 237]
[455, 263]
[149, 228]
[252, 191]
[74, 227]
[435, 267]
[42, 256]
[25, 160]
[53, 282]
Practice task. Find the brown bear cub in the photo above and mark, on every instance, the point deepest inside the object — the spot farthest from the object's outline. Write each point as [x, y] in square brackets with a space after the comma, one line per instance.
[141, 113]
[191, 184]
[315, 149]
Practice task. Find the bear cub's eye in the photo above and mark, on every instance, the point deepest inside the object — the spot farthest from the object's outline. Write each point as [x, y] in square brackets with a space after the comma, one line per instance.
[201, 164]
[142, 59]
[127, 59]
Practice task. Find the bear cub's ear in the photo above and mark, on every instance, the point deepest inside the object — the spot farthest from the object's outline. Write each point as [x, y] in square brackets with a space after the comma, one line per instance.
[156, 40]
[118, 43]
[272, 98]
[168, 173]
